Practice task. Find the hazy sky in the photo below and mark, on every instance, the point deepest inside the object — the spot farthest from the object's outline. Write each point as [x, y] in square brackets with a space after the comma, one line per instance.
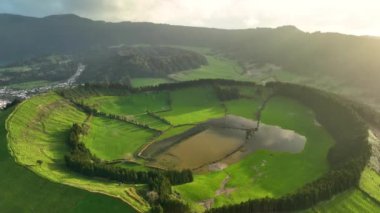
[346, 16]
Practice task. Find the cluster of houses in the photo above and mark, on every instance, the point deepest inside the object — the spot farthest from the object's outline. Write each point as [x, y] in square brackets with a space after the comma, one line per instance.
[7, 95]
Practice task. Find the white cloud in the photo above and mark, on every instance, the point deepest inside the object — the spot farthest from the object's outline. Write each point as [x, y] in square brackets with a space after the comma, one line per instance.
[347, 16]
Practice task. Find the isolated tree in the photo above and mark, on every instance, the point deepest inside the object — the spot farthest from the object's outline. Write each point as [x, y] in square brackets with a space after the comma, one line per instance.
[39, 162]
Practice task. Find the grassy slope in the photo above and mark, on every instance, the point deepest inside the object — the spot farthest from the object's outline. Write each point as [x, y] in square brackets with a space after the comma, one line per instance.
[174, 131]
[218, 67]
[247, 183]
[111, 139]
[355, 200]
[141, 82]
[350, 201]
[193, 105]
[134, 105]
[282, 173]
[23, 191]
[370, 183]
[38, 130]
[244, 107]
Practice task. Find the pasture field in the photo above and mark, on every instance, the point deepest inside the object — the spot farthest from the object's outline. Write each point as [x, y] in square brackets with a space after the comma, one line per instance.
[353, 201]
[152, 122]
[24, 191]
[112, 139]
[244, 107]
[265, 173]
[174, 131]
[218, 67]
[81, 94]
[141, 82]
[225, 68]
[193, 105]
[133, 104]
[370, 183]
[38, 130]
[364, 199]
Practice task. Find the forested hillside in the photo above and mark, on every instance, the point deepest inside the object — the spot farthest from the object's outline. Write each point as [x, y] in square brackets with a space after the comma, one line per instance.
[287, 47]
[118, 64]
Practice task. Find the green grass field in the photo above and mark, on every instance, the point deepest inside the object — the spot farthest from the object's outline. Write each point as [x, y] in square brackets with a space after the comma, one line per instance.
[370, 183]
[350, 201]
[364, 199]
[266, 173]
[218, 67]
[38, 130]
[135, 106]
[188, 108]
[174, 131]
[141, 82]
[24, 191]
[244, 107]
[152, 122]
[111, 139]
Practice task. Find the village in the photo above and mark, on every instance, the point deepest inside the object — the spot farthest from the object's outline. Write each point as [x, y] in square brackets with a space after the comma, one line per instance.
[7, 95]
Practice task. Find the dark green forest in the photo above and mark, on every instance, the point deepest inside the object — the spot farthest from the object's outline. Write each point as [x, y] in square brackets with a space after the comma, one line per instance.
[119, 64]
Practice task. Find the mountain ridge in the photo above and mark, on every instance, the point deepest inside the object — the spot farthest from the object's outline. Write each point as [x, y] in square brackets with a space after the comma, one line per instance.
[347, 56]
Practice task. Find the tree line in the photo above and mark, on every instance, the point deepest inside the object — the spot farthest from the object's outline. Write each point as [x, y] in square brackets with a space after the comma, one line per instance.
[81, 160]
[154, 115]
[91, 111]
[347, 158]
[168, 86]
[88, 89]
[226, 94]
[123, 63]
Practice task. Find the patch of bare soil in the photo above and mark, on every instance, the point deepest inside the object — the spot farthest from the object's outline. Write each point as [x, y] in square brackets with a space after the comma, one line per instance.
[207, 204]
[217, 166]
[223, 190]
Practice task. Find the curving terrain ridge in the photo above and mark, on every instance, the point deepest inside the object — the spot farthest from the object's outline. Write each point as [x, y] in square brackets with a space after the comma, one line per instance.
[118, 127]
[44, 195]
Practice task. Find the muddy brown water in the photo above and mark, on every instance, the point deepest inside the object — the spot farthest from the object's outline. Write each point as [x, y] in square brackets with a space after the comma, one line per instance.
[224, 140]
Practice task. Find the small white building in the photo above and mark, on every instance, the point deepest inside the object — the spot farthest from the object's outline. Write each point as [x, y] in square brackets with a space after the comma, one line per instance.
[3, 103]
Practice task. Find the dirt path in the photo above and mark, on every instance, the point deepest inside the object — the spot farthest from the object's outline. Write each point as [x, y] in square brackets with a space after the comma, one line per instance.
[208, 203]
[223, 190]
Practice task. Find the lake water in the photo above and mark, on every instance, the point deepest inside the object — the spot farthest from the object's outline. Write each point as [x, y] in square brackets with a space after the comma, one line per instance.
[218, 143]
